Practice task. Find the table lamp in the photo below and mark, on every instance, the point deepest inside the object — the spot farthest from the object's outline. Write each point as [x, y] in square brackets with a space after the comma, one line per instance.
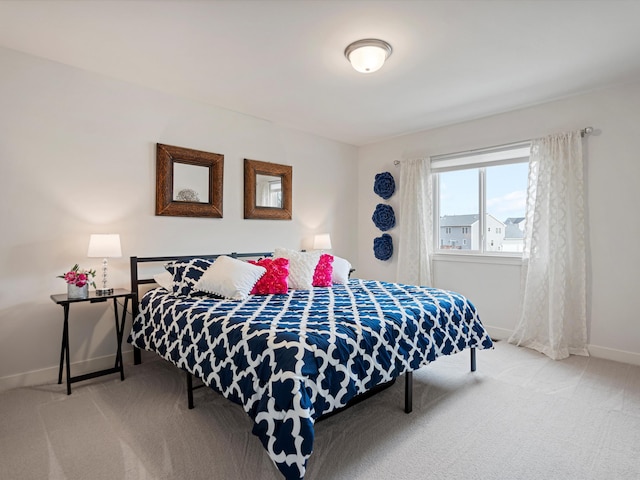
[104, 246]
[322, 242]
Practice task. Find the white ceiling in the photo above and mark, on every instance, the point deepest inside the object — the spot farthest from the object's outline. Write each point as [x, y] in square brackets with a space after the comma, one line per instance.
[283, 60]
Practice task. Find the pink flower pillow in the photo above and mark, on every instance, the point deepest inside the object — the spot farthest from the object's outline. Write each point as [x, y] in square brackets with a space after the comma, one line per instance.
[275, 279]
[324, 271]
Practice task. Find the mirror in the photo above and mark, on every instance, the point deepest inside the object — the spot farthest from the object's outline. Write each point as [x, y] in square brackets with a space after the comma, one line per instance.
[188, 182]
[267, 190]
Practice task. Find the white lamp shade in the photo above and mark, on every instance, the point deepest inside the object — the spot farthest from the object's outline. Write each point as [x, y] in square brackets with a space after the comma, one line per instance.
[322, 242]
[104, 246]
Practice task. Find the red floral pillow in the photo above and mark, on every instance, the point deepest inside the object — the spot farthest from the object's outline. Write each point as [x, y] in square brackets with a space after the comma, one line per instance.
[275, 279]
[324, 271]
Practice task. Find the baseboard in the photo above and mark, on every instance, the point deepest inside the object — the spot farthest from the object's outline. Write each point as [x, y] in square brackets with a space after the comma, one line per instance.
[596, 351]
[50, 375]
[497, 333]
[613, 354]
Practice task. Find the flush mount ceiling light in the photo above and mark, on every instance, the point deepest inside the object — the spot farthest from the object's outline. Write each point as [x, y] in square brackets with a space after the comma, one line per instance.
[368, 55]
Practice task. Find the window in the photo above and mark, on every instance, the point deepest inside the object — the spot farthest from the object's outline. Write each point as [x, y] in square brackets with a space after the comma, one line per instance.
[275, 192]
[481, 195]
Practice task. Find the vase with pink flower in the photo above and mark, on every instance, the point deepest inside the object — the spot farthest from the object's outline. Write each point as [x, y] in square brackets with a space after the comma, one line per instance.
[78, 281]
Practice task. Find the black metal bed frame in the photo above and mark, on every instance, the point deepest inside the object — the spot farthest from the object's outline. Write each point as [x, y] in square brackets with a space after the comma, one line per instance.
[136, 282]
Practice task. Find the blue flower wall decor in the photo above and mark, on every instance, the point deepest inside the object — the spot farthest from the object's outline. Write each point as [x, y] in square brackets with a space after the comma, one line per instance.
[384, 185]
[383, 247]
[383, 217]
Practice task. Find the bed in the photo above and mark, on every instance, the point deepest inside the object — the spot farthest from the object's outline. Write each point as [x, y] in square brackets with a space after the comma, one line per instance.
[292, 359]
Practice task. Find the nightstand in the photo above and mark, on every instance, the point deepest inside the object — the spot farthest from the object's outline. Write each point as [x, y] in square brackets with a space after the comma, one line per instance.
[65, 302]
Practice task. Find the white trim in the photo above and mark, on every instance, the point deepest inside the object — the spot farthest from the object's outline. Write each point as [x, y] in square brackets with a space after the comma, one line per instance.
[49, 376]
[506, 154]
[482, 210]
[613, 354]
[498, 333]
[496, 259]
[622, 356]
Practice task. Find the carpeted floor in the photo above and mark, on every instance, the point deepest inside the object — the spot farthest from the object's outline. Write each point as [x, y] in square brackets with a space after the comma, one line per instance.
[520, 416]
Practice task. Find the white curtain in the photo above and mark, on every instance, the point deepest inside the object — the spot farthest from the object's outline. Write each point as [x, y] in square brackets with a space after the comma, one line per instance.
[553, 319]
[415, 243]
[262, 193]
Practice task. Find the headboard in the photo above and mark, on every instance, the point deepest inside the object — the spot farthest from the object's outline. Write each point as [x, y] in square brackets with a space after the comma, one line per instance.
[137, 280]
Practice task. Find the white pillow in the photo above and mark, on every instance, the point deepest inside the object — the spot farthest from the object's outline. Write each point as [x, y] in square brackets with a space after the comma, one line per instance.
[341, 268]
[165, 280]
[230, 278]
[302, 265]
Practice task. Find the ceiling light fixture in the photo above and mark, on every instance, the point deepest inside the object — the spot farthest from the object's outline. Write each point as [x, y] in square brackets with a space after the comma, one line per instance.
[368, 55]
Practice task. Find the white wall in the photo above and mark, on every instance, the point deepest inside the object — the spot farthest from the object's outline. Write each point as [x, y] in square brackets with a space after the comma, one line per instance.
[77, 156]
[613, 197]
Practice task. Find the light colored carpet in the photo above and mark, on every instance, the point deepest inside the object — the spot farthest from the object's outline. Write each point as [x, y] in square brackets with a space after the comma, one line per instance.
[520, 416]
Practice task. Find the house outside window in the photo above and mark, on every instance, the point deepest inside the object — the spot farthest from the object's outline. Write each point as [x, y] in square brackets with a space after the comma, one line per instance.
[480, 200]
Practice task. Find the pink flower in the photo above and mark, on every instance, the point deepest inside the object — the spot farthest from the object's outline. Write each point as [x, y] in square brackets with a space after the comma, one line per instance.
[79, 277]
[81, 280]
[70, 277]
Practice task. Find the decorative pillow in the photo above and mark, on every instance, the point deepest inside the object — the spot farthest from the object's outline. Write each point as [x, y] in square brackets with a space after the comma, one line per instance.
[165, 280]
[302, 265]
[230, 277]
[186, 274]
[275, 280]
[323, 272]
[341, 268]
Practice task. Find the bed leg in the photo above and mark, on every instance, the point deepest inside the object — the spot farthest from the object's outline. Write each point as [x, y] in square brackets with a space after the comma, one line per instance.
[189, 391]
[473, 359]
[408, 392]
[137, 356]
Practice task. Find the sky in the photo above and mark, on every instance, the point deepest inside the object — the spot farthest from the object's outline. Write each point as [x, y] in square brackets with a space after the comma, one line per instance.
[506, 191]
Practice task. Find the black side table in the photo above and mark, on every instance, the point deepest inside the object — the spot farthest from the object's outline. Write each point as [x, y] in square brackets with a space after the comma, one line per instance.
[64, 301]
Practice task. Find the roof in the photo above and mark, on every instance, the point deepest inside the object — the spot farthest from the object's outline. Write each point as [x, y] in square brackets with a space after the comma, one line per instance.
[458, 220]
[462, 220]
[512, 231]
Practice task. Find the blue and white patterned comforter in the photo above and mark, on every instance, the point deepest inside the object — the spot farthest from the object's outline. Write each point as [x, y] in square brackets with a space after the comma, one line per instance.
[288, 359]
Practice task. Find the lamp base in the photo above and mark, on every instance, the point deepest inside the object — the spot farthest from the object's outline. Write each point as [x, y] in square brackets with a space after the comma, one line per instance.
[104, 291]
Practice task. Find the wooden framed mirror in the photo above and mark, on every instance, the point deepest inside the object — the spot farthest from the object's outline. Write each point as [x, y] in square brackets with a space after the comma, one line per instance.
[267, 190]
[188, 182]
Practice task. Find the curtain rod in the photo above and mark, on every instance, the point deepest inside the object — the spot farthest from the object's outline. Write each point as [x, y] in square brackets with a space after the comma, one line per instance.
[583, 133]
